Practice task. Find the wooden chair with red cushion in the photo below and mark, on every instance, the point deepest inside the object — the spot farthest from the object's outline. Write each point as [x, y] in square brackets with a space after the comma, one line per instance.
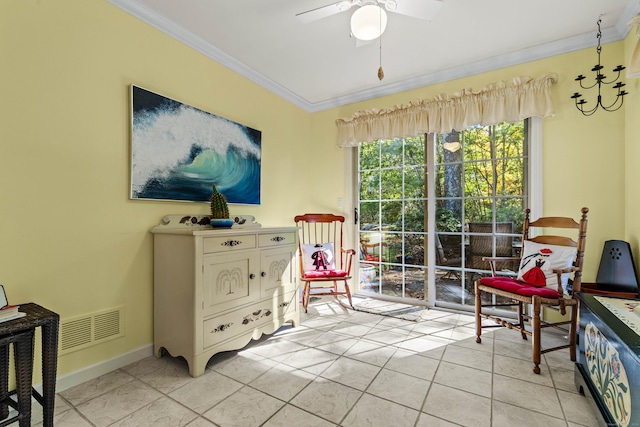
[323, 261]
[546, 263]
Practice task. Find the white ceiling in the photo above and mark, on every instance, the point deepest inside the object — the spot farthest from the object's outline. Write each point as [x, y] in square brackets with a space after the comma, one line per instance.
[317, 65]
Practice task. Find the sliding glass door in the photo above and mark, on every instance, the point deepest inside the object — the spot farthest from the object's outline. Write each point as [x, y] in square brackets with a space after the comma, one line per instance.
[431, 207]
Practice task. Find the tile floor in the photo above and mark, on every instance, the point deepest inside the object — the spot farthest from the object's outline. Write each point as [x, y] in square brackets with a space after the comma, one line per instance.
[343, 368]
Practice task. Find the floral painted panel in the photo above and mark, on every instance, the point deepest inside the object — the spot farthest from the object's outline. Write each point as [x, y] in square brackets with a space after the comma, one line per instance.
[608, 374]
[623, 309]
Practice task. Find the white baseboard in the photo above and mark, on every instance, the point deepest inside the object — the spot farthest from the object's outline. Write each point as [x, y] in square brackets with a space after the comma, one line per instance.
[90, 372]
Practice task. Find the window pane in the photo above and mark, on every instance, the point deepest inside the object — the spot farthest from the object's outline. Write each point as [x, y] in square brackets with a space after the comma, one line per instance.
[414, 151]
[509, 137]
[487, 239]
[449, 250]
[392, 215]
[478, 178]
[477, 143]
[509, 177]
[415, 244]
[511, 209]
[415, 280]
[449, 215]
[369, 155]
[390, 153]
[478, 210]
[369, 214]
[394, 249]
[371, 246]
[370, 185]
[414, 215]
[415, 179]
[392, 188]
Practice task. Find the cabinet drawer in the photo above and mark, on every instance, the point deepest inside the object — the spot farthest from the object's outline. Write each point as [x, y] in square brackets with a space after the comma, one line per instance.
[228, 243]
[242, 321]
[227, 326]
[277, 239]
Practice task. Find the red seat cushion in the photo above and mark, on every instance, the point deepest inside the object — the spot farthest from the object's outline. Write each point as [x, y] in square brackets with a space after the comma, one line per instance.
[518, 287]
[313, 274]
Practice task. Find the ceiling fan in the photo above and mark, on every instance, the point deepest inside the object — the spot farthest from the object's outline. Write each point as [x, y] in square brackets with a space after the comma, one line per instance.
[370, 19]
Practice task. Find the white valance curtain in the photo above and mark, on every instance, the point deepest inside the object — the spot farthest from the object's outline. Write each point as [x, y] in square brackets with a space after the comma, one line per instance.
[508, 101]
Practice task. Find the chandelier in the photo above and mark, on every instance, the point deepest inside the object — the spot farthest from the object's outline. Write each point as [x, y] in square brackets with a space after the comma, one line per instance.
[599, 82]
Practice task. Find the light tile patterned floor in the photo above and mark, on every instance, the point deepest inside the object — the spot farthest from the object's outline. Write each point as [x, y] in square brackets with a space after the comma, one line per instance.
[343, 368]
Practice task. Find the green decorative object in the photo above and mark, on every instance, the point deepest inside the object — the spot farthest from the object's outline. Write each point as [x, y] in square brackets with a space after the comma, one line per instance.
[219, 207]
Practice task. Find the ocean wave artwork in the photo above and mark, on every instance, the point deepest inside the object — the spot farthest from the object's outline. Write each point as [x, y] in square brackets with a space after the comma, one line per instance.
[178, 152]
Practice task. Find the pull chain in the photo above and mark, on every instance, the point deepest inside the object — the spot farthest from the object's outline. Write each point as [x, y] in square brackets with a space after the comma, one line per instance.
[380, 71]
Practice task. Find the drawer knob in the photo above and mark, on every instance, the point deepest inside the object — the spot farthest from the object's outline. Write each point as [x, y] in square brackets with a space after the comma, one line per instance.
[263, 274]
[252, 276]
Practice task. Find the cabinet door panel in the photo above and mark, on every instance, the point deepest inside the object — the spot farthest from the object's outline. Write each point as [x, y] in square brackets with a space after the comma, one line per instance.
[277, 270]
[227, 281]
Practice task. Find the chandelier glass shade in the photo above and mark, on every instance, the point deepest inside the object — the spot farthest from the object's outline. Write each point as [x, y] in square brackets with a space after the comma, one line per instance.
[368, 22]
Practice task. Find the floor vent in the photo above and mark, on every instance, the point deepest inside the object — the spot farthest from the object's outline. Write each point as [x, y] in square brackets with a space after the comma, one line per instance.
[91, 329]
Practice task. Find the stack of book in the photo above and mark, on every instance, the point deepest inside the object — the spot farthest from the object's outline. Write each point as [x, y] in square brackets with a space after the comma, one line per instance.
[10, 312]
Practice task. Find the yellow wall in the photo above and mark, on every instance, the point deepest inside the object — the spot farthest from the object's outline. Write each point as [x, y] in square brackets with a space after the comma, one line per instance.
[632, 155]
[72, 240]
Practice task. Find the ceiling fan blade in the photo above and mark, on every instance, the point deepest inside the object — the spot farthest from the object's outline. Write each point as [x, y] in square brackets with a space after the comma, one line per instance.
[422, 9]
[323, 11]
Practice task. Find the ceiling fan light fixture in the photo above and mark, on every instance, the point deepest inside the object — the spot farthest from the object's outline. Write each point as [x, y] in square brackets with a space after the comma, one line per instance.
[368, 22]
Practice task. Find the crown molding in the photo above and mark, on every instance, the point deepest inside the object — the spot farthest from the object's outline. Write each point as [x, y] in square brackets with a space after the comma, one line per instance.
[558, 47]
[162, 23]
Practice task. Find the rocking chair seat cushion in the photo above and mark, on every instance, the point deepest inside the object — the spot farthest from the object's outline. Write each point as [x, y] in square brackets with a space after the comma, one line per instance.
[518, 287]
[312, 274]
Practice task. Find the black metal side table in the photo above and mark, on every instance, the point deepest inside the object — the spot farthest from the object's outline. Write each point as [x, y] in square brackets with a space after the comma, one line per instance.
[38, 316]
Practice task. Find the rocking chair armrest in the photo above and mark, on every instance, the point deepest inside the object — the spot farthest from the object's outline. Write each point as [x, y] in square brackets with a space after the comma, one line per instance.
[559, 272]
[350, 253]
[565, 270]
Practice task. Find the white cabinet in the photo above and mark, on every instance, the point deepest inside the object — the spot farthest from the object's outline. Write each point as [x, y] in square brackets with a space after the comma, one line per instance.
[215, 290]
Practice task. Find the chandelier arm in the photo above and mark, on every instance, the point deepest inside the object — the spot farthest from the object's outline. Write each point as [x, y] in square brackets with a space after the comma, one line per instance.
[586, 112]
[609, 107]
[612, 81]
[588, 87]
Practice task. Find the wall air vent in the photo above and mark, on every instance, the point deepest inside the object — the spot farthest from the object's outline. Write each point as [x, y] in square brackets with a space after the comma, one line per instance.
[90, 329]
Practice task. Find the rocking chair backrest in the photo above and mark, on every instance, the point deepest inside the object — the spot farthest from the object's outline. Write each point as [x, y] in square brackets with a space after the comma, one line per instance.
[548, 223]
[321, 228]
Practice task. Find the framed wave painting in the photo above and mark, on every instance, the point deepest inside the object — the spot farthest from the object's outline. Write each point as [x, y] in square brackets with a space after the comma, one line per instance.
[178, 152]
